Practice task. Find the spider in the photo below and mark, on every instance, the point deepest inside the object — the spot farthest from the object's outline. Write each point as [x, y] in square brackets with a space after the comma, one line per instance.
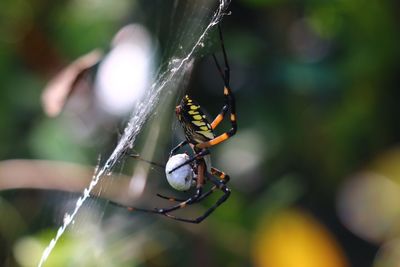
[200, 136]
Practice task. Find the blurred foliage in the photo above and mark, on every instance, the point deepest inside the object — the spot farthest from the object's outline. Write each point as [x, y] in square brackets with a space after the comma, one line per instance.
[317, 94]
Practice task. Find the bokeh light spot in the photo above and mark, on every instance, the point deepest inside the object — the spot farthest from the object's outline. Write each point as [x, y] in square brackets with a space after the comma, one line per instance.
[293, 238]
[368, 204]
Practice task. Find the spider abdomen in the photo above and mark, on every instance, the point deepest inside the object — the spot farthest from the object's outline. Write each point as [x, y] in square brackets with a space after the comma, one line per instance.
[194, 121]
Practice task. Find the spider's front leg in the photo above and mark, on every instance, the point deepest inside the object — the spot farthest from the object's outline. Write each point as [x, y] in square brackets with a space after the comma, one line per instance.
[197, 156]
[218, 184]
[223, 177]
[177, 147]
[200, 180]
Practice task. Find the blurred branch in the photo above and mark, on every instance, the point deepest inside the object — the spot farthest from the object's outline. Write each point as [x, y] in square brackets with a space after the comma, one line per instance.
[53, 175]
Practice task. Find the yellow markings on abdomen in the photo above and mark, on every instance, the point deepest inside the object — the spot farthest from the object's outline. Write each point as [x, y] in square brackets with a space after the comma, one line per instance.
[193, 112]
[199, 123]
[207, 134]
[197, 117]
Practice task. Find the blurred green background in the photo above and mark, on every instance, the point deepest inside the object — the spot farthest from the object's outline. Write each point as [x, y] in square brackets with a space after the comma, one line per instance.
[314, 166]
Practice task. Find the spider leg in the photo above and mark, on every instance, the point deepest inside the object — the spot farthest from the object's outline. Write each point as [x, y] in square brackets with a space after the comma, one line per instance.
[131, 209]
[182, 204]
[218, 184]
[225, 77]
[223, 137]
[224, 178]
[204, 195]
[137, 156]
[230, 99]
[220, 174]
[230, 102]
[215, 172]
[227, 69]
[226, 73]
[219, 117]
[172, 199]
[177, 147]
[202, 153]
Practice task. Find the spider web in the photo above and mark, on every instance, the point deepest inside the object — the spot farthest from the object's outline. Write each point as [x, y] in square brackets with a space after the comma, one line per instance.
[192, 31]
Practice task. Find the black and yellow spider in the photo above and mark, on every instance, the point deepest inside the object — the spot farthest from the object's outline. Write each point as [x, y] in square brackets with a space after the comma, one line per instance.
[200, 136]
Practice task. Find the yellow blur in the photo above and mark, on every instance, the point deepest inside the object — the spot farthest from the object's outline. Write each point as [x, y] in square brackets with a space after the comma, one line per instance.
[294, 238]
